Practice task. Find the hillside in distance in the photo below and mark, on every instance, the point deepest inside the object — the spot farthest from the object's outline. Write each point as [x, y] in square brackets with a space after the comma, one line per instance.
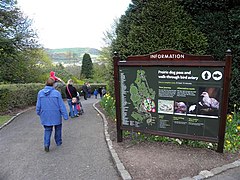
[68, 56]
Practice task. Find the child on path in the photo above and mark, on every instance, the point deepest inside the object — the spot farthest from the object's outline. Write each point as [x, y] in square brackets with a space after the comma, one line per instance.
[95, 93]
[55, 78]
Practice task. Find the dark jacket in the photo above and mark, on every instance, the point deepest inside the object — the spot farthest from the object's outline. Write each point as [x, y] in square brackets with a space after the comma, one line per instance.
[85, 88]
[72, 90]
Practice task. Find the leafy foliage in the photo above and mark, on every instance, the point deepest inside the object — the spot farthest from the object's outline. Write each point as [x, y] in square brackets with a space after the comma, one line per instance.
[99, 72]
[108, 104]
[234, 39]
[149, 26]
[220, 22]
[18, 95]
[17, 44]
[108, 61]
[232, 138]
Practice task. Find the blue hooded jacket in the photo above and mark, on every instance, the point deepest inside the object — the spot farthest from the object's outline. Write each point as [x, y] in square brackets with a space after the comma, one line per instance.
[50, 106]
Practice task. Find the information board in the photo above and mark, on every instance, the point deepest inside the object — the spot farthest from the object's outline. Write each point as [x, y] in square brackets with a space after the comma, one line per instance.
[173, 94]
[182, 100]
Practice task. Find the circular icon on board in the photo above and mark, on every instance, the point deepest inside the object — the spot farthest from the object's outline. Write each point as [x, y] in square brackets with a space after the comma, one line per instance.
[217, 75]
[206, 75]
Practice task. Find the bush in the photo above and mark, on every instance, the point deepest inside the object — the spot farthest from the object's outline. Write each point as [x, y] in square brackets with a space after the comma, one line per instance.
[23, 95]
[232, 135]
[108, 104]
[18, 95]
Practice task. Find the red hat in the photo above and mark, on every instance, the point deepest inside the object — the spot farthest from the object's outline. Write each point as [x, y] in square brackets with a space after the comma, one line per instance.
[52, 75]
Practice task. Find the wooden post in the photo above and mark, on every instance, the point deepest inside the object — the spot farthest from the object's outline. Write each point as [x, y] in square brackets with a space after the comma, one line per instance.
[116, 59]
[227, 77]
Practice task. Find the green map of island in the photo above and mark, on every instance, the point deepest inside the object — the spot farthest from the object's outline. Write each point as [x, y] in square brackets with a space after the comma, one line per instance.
[142, 97]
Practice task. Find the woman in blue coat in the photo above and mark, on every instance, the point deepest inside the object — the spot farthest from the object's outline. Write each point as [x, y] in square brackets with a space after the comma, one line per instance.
[51, 108]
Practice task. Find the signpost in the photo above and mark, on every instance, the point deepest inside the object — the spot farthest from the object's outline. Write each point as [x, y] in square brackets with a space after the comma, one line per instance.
[173, 94]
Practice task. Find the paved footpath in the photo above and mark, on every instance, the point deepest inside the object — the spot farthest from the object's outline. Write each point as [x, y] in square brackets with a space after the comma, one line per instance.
[83, 154]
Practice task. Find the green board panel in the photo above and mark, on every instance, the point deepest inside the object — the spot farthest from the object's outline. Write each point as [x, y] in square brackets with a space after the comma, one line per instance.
[182, 100]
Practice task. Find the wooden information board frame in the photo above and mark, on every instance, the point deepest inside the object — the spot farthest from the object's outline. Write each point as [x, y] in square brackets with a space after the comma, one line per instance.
[168, 70]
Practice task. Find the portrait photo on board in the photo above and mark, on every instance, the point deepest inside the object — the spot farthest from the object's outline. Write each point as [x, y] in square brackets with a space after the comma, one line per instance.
[209, 101]
[180, 107]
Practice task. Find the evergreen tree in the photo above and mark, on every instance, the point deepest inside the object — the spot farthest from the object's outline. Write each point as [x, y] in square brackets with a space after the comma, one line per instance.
[87, 66]
[220, 22]
[149, 26]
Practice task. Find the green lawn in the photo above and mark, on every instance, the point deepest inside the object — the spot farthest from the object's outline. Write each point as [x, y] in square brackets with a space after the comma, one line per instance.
[4, 119]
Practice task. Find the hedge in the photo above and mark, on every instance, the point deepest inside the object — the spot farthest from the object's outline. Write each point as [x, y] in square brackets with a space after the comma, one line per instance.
[18, 95]
[23, 95]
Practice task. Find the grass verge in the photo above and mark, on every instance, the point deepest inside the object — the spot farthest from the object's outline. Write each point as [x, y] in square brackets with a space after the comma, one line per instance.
[4, 119]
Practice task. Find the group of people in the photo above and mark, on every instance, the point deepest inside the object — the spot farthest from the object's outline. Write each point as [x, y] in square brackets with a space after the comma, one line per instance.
[51, 108]
[101, 91]
[87, 91]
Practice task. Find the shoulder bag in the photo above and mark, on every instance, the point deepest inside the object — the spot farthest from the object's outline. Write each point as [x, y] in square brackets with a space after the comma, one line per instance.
[74, 99]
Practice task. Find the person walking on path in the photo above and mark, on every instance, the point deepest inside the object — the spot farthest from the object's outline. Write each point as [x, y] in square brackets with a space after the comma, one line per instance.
[71, 93]
[95, 93]
[89, 90]
[51, 108]
[100, 92]
[85, 90]
[103, 91]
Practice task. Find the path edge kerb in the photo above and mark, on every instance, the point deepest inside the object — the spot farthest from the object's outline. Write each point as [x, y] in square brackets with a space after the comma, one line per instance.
[18, 114]
[119, 165]
[215, 171]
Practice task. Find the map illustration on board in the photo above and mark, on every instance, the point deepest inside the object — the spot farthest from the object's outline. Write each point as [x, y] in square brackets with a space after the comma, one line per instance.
[142, 97]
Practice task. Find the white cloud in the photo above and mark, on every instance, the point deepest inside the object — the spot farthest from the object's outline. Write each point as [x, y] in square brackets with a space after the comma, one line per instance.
[72, 23]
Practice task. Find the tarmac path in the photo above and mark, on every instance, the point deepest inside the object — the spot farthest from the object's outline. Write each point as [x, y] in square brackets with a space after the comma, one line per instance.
[83, 154]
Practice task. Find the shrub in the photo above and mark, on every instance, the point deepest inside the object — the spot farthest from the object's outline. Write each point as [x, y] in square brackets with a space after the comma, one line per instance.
[18, 95]
[232, 135]
[108, 104]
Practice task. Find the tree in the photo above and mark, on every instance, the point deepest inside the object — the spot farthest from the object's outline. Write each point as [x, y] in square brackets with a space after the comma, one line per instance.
[149, 26]
[219, 21]
[17, 39]
[99, 72]
[74, 70]
[15, 32]
[87, 66]
[106, 55]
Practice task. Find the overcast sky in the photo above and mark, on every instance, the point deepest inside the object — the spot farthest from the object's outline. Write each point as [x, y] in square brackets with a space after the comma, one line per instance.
[72, 23]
